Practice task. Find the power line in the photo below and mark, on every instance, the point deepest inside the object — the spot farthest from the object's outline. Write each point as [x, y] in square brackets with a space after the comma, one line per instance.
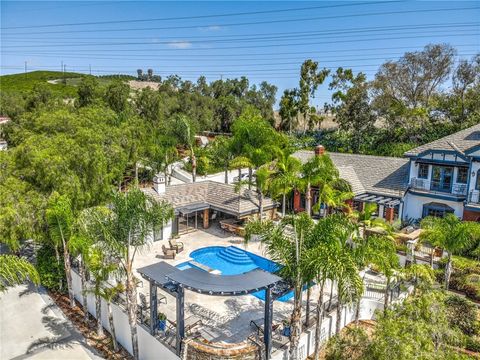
[260, 22]
[196, 16]
[247, 47]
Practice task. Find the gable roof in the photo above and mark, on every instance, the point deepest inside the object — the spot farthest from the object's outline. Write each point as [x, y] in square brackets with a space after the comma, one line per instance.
[368, 174]
[461, 141]
[216, 195]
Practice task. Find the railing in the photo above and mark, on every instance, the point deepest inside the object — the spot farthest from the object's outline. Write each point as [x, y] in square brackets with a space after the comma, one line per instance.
[435, 185]
[421, 184]
[459, 189]
[474, 197]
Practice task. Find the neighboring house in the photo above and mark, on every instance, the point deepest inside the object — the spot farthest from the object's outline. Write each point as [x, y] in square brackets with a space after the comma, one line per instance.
[444, 177]
[434, 179]
[374, 179]
[197, 204]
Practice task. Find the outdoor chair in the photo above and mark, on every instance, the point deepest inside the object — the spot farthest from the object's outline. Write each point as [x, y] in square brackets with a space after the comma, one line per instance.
[168, 253]
[176, 245]
[190, 322]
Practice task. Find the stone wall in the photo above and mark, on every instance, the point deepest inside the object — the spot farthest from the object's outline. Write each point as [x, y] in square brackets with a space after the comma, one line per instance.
[196, 350]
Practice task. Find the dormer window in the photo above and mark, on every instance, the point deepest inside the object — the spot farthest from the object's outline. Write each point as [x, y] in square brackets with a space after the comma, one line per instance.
[423, 171]
[462, 175]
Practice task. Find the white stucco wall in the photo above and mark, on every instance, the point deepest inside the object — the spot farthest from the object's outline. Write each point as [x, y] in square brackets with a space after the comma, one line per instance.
[473, 179]
[413, 206]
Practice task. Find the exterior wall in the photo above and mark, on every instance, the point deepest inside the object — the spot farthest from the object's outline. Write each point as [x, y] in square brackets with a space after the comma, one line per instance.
[413, 206]
[470, 215]
[473, 179]
[297, 202]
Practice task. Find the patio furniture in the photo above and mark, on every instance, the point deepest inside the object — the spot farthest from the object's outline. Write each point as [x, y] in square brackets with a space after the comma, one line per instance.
[259, 323]
[168, 253]
[176, 245]
[190, 322]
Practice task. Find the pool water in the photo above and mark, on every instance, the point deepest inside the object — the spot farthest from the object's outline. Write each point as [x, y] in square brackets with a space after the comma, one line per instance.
[231, 260]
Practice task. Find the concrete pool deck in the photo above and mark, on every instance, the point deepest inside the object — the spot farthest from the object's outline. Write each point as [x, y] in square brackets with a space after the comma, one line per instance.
[223, 318]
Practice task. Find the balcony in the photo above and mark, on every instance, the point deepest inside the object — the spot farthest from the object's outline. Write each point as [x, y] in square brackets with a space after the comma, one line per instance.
[438, 187]
[474, 197]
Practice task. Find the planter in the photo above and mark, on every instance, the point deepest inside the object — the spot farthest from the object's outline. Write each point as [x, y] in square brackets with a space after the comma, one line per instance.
[162, 325]
[286, 331]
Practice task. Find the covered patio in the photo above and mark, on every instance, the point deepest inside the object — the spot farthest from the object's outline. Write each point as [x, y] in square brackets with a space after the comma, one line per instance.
[174, 281]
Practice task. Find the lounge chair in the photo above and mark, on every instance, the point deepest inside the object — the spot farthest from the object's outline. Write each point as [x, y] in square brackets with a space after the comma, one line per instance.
[176, 245]
[189, 323]
[168, 253]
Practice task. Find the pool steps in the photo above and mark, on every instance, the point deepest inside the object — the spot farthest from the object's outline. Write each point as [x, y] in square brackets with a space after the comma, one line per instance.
[236, 256]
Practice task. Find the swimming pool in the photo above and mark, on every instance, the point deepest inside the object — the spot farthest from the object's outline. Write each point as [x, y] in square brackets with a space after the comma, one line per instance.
[231, 260]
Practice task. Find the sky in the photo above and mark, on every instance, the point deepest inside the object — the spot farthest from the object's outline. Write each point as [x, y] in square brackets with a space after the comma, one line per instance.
[227, 39]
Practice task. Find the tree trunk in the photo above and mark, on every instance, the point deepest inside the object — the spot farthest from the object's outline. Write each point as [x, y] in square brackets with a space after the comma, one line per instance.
[68, 273]
[260, 204]
[319, 320]
[284, 200]
[84, 291]
[432, 254]
[448, 271]
[57, 257]
[296, 320]
[331, 295]
[136, 172]
[307, 307]
[387, 289]
[250, 178]
[308, 200]
[226, 173]
[194, 166]
[239, 174]
[112, 326]
[357, 310]
[132, 310]
[98, 314]
[339, 318]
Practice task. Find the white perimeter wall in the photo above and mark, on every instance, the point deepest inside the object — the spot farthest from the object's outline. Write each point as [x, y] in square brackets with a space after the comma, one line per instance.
[413, 205]
[149, 347]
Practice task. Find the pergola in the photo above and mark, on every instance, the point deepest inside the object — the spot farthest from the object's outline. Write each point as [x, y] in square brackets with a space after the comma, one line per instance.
[175, 281]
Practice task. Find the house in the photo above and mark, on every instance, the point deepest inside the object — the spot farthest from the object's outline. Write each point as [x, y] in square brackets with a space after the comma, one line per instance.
[374, 179]
[443, 177]
[433, 179]
[197, 204]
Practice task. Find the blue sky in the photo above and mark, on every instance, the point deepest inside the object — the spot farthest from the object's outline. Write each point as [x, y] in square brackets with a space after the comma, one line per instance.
[261, 40]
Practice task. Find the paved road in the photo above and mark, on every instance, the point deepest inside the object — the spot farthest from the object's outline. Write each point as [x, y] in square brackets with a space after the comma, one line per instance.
[33, 327]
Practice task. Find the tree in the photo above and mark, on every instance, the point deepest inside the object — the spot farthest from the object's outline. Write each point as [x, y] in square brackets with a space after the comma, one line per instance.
[289, 110]
[183, 130]
[310, 78]
[116, 96]
[222, 153]
[351, 105]
[285, 176]
[451, 234]
[15, 271]
[464, 76]
[125, 226]
[60, 219]
[87, 91]
[148, 105]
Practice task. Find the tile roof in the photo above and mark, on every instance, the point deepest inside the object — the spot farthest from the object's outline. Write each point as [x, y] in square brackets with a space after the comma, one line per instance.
[460, 141]
[368, 174]
[218, 195]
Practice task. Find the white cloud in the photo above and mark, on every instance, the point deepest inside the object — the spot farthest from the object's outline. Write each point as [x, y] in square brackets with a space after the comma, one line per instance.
[211, 28]
[180, 44]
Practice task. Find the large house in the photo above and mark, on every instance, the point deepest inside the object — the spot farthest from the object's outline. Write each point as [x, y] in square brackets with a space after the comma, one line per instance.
[433, 179]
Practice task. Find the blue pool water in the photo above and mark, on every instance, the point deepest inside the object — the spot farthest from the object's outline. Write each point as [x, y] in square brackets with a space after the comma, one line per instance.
[231, 260]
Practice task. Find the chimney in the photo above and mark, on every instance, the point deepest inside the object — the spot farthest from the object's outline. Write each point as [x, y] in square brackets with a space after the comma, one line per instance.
[319, 150]
[159, 183]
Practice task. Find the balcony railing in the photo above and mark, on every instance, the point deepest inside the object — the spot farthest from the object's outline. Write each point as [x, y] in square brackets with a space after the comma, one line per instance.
[474, 197]
[427, 185]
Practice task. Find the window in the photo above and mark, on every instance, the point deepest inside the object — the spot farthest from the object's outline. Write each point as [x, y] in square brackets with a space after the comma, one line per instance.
[158, 233]
[477, 186]
[436, 210]
[442, 178]
[462, 175]
[423, 171]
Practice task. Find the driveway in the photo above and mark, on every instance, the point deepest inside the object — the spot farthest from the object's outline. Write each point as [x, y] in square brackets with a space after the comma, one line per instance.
[33, 327]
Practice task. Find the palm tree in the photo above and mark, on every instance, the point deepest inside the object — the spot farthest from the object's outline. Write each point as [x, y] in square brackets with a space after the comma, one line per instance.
[262, 184]
[79, 245]
[285, 177]
[15, 270]
[422, 276]
[60, 219]
[285, 244]
[451, 234]
[125, 226]
[108, 293]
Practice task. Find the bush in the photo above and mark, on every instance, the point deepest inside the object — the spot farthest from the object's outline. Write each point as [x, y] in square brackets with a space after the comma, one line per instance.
[462, 314]
[351, 344]
[52, 272]
[472, 344]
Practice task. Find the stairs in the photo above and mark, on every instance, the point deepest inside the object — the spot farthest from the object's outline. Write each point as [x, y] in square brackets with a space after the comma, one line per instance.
[235, 256]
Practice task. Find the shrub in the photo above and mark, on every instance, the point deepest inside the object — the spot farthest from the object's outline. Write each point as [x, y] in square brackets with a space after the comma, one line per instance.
[52, 272]
[472, 344]
[462, 314]
[351, 344]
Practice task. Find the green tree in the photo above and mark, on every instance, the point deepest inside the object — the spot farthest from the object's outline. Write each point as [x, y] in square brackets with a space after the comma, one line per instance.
[117, 95]
[289, 110]
[15, 270]
[285, 176]
[183, 130]
[148, 105]
[222, 154]
[125, 227]
[451, 234]
[87, 91]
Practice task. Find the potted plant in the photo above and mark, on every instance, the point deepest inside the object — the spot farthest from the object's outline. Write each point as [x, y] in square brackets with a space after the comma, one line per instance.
[286, 328]
[162, 321]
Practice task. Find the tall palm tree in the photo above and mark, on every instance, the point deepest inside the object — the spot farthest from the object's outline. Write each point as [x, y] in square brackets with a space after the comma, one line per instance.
[451, 234]
[108, 293]
[60, 219]
[285, 244]
[285, 176]
[79, 245]
[125, 226]
[15, 270]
